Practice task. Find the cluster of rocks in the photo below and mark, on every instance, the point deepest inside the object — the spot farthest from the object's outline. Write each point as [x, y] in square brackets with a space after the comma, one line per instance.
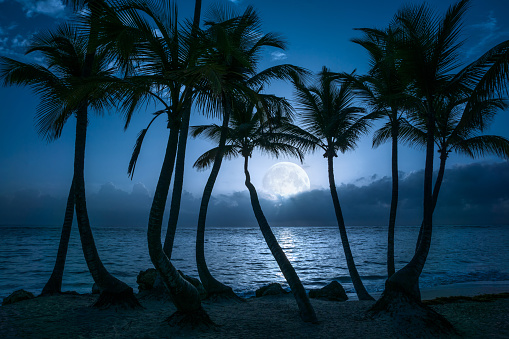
[333, 291]
[146, 280]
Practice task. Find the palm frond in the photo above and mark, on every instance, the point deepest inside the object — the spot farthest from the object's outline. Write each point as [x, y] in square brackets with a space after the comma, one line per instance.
[207, 159]
[483, 145]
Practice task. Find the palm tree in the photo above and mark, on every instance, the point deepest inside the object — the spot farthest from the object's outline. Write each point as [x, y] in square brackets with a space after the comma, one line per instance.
[455, 134]
[148, 39]
[235, 45]
[246, 133]
[69, 86]
[384, 90]
[429, 55]
[327, 114]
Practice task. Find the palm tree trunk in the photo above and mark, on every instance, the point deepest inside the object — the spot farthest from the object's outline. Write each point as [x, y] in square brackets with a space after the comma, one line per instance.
[401, 296]
[436, 190]
[211, 285]
[54, 284]
[394, 205]
[307, 313]
[178, 182]
[184, 295]
[362, 294]
[113, 290]
[407, 279]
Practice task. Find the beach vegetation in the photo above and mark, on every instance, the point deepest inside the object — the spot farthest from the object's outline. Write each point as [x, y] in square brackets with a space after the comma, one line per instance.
[262, 125]
[326, 110]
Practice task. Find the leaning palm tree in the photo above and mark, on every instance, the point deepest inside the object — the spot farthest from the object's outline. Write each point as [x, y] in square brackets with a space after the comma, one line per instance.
[383, 90]
[234, 47]
[460, 122]
[430, 52]
[327, 113]
[247, 132]
[69, 86]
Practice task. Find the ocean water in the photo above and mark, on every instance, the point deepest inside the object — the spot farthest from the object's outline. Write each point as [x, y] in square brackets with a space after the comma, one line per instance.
[240, 258]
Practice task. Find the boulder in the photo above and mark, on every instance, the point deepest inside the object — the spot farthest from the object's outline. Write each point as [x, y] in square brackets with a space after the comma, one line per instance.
[16, 296]
[333, 291]
[146, 279]
[270, 289]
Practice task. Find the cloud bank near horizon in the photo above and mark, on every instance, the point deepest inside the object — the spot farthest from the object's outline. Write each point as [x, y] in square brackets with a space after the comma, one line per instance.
[474, 194]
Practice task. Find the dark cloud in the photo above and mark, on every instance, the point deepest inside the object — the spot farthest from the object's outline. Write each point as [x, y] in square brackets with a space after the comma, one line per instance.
[471, 194]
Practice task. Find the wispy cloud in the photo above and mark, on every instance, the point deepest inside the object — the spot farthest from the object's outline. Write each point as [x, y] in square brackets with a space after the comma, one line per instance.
[15, 45]
[489, 30]
[52, 8]
[278, 56]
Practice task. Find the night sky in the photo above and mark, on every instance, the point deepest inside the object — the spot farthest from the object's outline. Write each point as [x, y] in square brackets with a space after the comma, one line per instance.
[35, 175]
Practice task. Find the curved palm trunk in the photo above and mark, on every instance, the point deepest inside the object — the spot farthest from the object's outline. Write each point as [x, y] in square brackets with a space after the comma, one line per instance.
[394, 206]
[307, 313]
[401, 297]
[178, 182]
[436, 190]
[54, 284]
[211, 285]
[113, 290]
[408, 277]
[362, 294]
[184, 295]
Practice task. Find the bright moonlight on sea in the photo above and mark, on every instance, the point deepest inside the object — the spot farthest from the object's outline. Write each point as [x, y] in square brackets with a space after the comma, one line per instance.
[285, 179]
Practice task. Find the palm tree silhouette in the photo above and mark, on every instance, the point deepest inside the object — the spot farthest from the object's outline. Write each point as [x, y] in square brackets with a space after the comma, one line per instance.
[384, 90]
[460, 122]
[429, 55]
[235, 44]
[71, 85]
[327, 113]
[277, 137]
[149, 41]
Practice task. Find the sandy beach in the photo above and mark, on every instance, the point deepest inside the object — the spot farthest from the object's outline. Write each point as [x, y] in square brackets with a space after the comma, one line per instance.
[70, 316]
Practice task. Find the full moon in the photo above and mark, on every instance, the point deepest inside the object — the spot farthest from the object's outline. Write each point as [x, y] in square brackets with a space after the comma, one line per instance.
[285, 179]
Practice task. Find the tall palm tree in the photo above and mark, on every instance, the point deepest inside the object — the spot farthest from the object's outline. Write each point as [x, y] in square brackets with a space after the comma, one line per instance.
[235, 46]
[455, 134]
[245, 133]
[69, 86]
[384, 90]
[148, 40]
[327, 113]
[430, 54]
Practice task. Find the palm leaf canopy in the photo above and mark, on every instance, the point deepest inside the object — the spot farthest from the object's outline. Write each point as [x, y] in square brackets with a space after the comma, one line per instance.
[152, 49]
[59, 81]
[326, 111]
[430, 47]
[248, 130]
[456, 131]
[226, 67]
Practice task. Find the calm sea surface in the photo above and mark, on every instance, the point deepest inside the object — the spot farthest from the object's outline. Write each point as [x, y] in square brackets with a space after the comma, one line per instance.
[240, 258]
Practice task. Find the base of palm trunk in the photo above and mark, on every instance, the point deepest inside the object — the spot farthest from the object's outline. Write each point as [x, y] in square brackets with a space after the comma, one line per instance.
[124, 299]
[51, 287]
[198, 319]
[223, 294]
[411, 316]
